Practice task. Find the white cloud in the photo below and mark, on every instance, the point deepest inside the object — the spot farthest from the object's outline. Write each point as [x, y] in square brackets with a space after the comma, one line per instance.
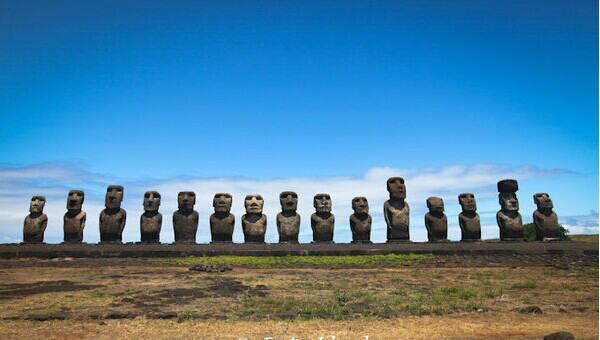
[17, 185]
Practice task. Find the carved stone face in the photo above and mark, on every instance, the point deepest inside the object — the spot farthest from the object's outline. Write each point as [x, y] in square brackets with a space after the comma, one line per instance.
[75, 200]
[543, 201]
[222, 202]
[435, 204]
[508, 201]
[360, 205]
[151, 201]
[254, 204]
[288, 200]
[114, 196]
[467, 202]
[322, 202]
[186, 200]
[37, 204]
[396, 187]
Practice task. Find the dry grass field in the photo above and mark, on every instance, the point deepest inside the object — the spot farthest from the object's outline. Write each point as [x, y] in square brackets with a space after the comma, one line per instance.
[165, 300]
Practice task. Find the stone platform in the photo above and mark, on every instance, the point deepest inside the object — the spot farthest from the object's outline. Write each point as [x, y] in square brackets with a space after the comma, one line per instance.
[132, 250]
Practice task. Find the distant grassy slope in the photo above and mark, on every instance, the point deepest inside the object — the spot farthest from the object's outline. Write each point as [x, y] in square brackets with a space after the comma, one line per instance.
[360, 261]
[585, 238]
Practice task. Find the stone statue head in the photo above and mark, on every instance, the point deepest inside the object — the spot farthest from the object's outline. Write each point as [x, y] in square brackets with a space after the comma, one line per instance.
[507, 196]
[222, 202]
[186, 200]
[360, 205]
[467, 202]
[396, 187]
[75, 200]
[114, 196]
[288, 200]
[254, 204]
[435, 204]
[36, 206]
[543, 201]
[322, 202]
[151, 201]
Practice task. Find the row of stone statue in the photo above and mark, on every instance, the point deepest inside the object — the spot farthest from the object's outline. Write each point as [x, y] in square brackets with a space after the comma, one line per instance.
[254, 222]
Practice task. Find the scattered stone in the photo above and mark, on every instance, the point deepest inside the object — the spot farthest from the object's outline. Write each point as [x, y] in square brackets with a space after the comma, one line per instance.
[46, 317]
[286, 315]
[211, 268]
[530, 310]
[102, 323]
[161, 315]
[119, 315]
[358, 307]
[559, 336]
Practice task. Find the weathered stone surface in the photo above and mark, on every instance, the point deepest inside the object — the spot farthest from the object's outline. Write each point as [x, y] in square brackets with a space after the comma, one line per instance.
[74, 219]
[468, 219]
[254, 223]
[560, 336]
[530, 310]
[151, 219]
[35, 223]
[222, 221]
[185, 220]
[288, 220]
[360, 221]
[112, 218]
[545, 220]
[322, 221]
[508, 218]
[396, 211]
[436, 221]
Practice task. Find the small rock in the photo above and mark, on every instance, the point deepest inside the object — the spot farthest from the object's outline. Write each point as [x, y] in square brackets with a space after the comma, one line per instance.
[559, 336]
[102, 323]
[286, 315]
[46, 317]
[530, 310]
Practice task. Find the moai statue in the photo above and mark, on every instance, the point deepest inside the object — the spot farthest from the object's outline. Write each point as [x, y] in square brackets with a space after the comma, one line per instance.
[74, 220]
[185, 220]
[508, 218]
[222, 221]
[112, 218]
[254, 223]
[545, 220]
[468, 219]
[36, 222]
[360, 221]
[322, 221]
[436, 221]
[288, 220]
[151, 219]
[396, 211]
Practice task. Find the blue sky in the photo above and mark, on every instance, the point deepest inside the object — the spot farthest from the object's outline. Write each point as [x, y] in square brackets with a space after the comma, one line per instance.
[148, 93]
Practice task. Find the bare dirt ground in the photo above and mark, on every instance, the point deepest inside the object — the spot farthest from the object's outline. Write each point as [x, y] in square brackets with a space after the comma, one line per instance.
[157, 299]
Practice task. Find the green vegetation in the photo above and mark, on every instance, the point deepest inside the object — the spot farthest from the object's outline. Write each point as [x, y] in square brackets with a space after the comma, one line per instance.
[529, 232]
[525, 285]
[361, 261]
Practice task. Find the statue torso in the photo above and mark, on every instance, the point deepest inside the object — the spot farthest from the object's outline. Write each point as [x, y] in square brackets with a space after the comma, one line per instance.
[288, 225]
[151, 223]
[256, 228]
[112, 222]
[359, 225]
[73, 226]
[33, 228]
[322, 225]
[222, 225]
